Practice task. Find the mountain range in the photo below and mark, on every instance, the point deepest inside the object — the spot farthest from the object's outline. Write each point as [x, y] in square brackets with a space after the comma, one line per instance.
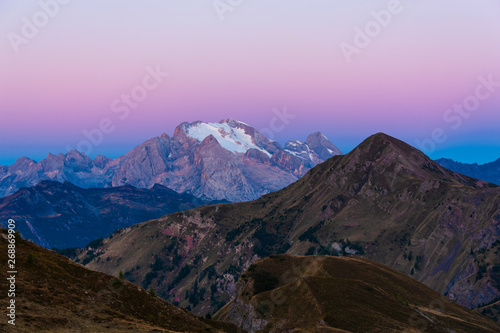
[229, 160]
[385, 200]
[489, 172]
[277, 294]
[63, 215]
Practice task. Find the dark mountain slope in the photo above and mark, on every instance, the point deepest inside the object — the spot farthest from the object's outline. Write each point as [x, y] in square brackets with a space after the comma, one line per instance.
[384, 200]
[53, 214]
[53, 294]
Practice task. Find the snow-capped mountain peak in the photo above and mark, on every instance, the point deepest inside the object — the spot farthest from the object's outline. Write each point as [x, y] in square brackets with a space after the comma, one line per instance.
[230, 134]
[228, 160]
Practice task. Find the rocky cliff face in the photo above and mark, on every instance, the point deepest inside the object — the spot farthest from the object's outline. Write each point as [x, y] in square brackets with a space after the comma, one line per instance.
[228, 160]
[384, 200]
[74, 167]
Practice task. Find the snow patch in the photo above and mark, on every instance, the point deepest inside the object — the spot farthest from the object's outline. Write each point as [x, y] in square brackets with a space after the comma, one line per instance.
[295, 143]
[233, 139]
[293, 152]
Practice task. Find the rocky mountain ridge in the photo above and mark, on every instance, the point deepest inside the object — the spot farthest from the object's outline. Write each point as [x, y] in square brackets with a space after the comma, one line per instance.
[229, 160]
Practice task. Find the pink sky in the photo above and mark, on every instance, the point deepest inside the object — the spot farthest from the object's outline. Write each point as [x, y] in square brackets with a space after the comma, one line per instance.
[261, 56]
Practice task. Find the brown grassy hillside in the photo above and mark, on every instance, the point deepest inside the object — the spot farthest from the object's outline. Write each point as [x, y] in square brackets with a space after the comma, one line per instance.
[296, 293]
[56, 295]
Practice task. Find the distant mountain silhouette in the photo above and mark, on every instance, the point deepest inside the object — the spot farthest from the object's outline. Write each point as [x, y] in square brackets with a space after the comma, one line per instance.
[489, 172]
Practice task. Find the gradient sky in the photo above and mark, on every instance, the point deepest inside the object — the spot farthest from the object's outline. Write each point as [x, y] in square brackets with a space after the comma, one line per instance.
[264, 55]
